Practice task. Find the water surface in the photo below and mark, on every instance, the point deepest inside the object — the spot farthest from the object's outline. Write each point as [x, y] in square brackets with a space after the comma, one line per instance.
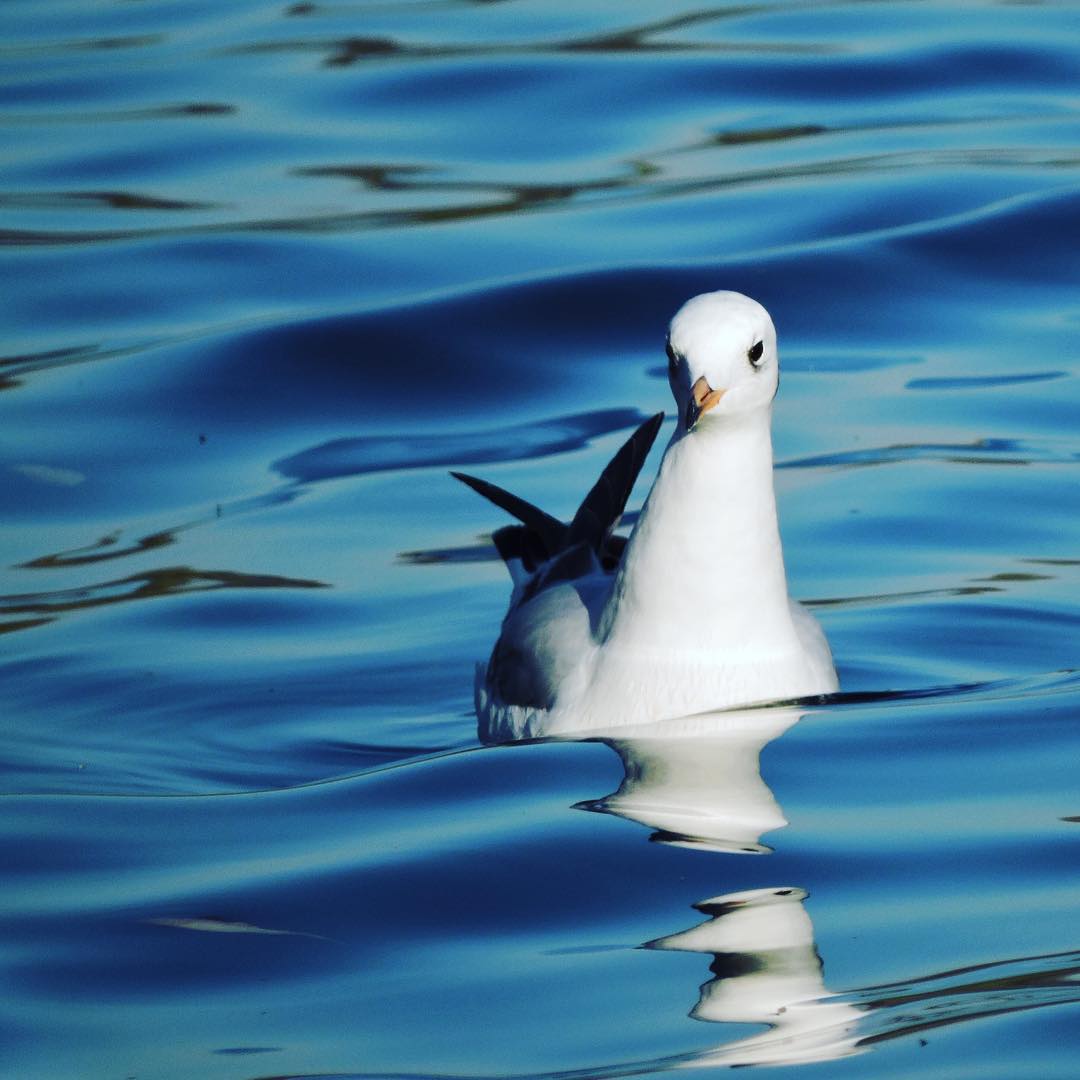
[270, 271]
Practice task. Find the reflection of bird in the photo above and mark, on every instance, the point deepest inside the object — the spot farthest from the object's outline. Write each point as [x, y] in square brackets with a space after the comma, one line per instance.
[693, 613]
[697, 780]
[766, 970]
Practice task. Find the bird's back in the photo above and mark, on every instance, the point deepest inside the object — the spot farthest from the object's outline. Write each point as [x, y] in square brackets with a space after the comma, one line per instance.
[543, 659]
[562, 577]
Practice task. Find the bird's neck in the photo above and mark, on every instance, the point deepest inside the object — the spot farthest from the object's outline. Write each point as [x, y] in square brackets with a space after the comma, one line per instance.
[704, 570]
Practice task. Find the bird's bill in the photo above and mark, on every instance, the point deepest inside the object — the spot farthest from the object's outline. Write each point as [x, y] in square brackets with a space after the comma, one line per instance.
[702, 398]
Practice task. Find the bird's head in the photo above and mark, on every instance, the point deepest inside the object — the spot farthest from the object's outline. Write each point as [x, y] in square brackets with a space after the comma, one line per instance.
[722, 360]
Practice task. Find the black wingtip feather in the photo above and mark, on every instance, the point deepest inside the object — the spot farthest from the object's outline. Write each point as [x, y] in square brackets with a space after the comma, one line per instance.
[550, 530]
[601, 509]
[541, 537]
[520, 543]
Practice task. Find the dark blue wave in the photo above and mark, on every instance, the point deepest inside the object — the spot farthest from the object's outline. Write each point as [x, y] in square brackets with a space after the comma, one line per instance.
[356, 456]
[247, 248]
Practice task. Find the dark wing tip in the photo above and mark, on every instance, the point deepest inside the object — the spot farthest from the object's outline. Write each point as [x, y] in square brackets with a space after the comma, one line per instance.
[549, 530]
[520, 543]
[601, 509]
[544, 537]
[470, 481]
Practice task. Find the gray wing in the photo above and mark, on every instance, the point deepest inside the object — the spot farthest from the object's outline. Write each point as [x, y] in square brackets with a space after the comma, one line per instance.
[546, 642]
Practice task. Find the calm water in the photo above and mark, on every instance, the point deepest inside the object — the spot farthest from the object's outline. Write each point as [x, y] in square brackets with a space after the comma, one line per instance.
[269, 271]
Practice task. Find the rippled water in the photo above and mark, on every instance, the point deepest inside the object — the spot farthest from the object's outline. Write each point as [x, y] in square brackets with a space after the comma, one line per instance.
[270, 270]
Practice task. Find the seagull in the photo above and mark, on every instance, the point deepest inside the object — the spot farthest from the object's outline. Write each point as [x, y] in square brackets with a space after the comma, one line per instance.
[692, 612]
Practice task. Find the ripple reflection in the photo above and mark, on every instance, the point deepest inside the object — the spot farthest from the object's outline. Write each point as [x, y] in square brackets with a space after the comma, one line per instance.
[152, 584]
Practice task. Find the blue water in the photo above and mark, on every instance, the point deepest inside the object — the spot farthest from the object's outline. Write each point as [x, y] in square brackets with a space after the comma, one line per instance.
[270, 270]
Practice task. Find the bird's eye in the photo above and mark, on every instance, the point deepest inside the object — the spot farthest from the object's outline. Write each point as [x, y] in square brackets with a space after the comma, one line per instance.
[672, 357]
[754, 355]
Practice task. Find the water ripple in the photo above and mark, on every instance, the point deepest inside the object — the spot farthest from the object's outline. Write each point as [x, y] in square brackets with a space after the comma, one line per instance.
[356, 456]
[635, 181]
[987, 451]
[331, 249]
[162, 582]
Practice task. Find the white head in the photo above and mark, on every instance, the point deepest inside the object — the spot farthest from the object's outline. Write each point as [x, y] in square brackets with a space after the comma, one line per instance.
[722, 359]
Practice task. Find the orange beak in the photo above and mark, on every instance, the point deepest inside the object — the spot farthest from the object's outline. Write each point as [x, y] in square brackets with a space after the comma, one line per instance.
[703, 397]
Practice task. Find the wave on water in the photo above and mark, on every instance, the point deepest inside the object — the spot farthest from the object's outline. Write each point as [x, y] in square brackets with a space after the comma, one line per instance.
[274, 269]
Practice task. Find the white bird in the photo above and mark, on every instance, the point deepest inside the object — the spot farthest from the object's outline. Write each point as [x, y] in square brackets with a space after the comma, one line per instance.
[690, 614]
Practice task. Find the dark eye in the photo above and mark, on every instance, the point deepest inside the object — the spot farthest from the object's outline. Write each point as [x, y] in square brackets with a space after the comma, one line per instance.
[754, 354]
[672, 357]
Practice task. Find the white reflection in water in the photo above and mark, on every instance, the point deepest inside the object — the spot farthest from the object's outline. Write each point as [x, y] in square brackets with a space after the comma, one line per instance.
[697, 781]
[767, 971]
